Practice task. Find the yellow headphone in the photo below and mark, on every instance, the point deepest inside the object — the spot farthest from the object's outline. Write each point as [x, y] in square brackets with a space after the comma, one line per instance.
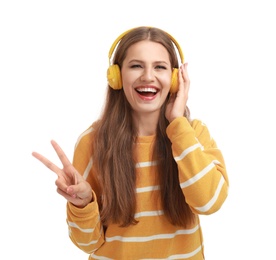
[114, 74]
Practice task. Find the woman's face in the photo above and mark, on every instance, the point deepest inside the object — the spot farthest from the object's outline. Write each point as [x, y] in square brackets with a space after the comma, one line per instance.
[146, 76]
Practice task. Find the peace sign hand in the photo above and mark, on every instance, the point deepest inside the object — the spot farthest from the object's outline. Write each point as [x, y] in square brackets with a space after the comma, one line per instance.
[70, 184]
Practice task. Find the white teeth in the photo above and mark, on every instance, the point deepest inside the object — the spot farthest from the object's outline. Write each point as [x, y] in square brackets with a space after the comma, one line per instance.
[147, 90]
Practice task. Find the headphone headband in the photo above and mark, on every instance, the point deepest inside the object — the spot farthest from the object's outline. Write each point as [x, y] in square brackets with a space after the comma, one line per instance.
[113, 46]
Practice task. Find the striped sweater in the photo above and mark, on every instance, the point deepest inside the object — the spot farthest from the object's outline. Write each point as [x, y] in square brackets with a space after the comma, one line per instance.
[203, 179]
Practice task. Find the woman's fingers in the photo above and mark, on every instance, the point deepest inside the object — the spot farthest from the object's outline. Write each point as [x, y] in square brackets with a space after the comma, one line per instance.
[186, 79]
[69, 170]
[185, 72]
[70, 183]
[183, 75]
[47, 163]
[79, 195]
[67, 175]
[62, 156]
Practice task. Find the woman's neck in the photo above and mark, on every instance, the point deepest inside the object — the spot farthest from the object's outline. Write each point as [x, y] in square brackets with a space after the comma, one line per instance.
[145, 123]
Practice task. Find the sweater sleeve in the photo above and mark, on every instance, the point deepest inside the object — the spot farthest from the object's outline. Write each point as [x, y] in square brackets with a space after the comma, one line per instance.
[202, 172]
[85, 228]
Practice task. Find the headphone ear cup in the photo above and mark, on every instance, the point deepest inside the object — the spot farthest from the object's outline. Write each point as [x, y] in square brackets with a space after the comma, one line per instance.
[174, 82]
[114, 77]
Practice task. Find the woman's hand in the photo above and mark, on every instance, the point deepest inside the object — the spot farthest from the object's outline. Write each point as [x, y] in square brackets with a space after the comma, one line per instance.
[177, 102]
[70, 184]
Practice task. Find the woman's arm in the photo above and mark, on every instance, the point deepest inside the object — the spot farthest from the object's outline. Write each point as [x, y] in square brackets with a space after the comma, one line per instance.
[202, 172]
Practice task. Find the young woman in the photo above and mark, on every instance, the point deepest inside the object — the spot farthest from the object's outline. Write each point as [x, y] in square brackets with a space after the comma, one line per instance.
[143, 173]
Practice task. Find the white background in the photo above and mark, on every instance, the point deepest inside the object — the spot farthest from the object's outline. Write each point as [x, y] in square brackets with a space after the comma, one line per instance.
[53, 61]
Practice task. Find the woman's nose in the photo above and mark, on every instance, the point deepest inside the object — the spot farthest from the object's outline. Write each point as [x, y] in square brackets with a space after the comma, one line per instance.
[147, 75]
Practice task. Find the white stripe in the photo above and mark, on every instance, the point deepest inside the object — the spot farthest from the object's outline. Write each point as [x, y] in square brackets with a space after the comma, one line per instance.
[179, 256]
[145, 164]
[150, 238]
[201, 146]
[198, 175]
[214, 199]
[187, 151]
[93, 242]
[147, 189]
[89, 130]
[84, 230]
[101, 257]
[149, 214]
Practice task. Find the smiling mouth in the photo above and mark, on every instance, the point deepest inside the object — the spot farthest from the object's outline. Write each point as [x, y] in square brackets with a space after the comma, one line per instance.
[147, 92]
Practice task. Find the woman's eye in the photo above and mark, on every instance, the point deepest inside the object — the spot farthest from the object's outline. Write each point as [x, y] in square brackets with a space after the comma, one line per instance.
[135, 66]
[161, 67]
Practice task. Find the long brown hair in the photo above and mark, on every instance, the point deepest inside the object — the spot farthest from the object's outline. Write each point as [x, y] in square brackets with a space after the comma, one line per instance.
[114, 136]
